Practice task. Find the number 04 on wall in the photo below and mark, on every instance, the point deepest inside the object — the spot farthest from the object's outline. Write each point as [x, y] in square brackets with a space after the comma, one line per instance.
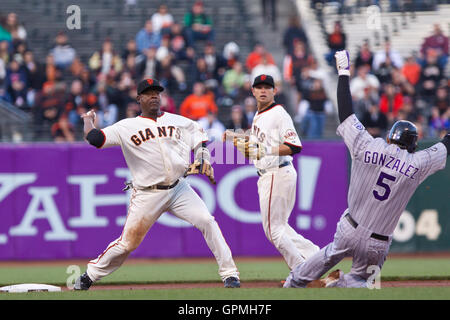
[427, 225]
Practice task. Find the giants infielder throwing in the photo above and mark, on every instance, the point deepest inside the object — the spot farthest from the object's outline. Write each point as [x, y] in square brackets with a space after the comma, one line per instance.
[271, 144]
[157, 147]
[384, 176]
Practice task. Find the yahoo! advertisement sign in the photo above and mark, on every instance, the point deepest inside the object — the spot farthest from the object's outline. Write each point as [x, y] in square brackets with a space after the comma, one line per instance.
[66, 201]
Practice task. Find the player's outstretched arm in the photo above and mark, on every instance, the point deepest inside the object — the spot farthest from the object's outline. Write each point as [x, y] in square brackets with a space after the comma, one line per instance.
[93, 136]
[344, 97]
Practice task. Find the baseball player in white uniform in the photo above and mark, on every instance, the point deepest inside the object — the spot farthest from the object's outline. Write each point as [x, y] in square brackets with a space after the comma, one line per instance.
[272, 142]
[384, 176]
[157, 147]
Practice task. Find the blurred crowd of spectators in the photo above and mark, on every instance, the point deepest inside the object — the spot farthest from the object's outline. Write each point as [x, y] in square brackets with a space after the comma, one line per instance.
[213, 86]
[387, 86]
[200, 80]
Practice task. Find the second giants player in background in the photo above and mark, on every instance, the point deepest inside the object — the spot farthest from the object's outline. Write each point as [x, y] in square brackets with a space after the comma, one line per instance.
[384, 176]
[272, 142]
[157, 148]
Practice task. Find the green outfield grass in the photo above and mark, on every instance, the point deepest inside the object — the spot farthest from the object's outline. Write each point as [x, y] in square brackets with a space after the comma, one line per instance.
[206, 271]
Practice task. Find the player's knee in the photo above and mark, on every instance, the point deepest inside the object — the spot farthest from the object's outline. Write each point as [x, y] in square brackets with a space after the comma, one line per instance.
[275, 235]
[205, 222]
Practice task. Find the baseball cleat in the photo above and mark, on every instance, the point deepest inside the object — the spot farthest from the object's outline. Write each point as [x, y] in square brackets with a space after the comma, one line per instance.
[327, 282]
[232, 282]
[83, 282]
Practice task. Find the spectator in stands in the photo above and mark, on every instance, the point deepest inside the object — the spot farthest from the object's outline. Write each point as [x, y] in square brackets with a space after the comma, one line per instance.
[439, 124]
[106, 59]
[131, 51]
[442, 101]
[215, 62]
[5, 35]
[234, 79]
[384, 71]
[15, 28]
[198, 24]
[250, 109]
[411, 70]
[35, 76]
[164, 48]
[107, 107]
[399, 80]
[408, 111]
[167, 103]
[52, 73]
[170, 75]
[147, 69]
[238, 119]
[364, 56]
[430, 76]
[88, 80]
[438, 42]
[4, 51]
[201, 73]
[49, 105]
[213, 127]
[132, 110]
[231, 53]
[63, 130]
[63, 53]
[294, 62]
[293, 34]
[162, 20]
[318, 104]
[265, 67]
[380, 57]
[179, 45]
[147, 38]
[375, 121]
[16, 84]
[19, 52]
[391, 101]
[256, 57]
[363, 81]
[336, 40]
[78, 101]
[198, 104]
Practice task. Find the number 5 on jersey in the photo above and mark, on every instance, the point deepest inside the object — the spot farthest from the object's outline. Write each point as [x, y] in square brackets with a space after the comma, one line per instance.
[385, 186]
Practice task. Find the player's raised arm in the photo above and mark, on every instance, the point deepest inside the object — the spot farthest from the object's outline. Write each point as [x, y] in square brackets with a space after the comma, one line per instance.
[94, 136]
[344, 97]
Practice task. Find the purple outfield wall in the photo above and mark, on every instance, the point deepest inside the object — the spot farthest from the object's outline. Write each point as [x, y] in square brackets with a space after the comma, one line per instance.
[66, 201]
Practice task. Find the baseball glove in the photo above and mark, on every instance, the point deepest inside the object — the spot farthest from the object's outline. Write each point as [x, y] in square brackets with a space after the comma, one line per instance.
[250, 150]
[203, 167]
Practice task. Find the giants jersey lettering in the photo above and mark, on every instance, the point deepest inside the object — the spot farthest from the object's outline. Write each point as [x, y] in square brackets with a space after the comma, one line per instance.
[156, 152]
[273, 127]
[383, 176]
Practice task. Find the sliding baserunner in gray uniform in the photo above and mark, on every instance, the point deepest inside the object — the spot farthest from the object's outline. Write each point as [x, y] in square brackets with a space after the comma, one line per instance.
[384, 176]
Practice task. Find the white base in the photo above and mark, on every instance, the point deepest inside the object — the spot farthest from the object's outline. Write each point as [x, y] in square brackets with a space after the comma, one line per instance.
[30, 287]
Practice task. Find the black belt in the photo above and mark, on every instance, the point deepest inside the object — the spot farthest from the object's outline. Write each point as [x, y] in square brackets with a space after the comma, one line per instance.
[263, 171]
[129, 185]
[373, 235]
[160, 187]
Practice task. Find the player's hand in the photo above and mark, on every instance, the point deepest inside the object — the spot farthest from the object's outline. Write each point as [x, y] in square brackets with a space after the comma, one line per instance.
[343, 62]
[251, 150]
[89, 115]
[204, 168]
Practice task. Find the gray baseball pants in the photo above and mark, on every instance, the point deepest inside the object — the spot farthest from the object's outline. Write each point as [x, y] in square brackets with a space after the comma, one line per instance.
[348, 242]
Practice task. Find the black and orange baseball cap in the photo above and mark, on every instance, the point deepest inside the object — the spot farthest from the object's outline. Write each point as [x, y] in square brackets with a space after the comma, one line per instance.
[147, 84]
[264, 78]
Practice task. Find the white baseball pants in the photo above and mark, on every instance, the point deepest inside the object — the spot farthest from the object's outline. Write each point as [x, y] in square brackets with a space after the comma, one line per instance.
[277, 190]
[146, 206]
